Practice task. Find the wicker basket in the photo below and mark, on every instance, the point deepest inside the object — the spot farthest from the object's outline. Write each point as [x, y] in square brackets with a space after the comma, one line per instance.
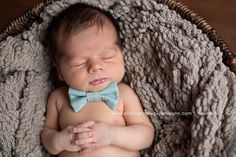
[23, 21]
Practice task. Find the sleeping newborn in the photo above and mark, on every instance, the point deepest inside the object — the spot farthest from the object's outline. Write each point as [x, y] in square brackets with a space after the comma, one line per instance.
[94, 114]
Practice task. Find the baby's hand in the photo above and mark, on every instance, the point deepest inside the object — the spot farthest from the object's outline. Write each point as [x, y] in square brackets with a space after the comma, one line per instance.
[101, 137]
[101, 134]
[82, 138]
[66, 139]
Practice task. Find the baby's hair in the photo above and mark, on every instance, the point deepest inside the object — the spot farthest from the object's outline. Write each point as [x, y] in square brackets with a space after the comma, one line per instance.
[74, 19]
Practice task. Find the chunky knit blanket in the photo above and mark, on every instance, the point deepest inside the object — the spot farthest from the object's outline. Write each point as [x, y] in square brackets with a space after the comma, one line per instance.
[177, 72]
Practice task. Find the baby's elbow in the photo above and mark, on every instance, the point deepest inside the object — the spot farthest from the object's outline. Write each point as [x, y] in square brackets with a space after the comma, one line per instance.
[52, 151]
[48, 142]
[149, 136]
[152, 136]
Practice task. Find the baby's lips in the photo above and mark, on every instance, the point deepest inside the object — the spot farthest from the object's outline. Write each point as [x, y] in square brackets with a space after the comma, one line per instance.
[98, 81]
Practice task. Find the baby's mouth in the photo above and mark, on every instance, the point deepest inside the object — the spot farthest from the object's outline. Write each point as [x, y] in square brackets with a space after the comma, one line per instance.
[98, 81]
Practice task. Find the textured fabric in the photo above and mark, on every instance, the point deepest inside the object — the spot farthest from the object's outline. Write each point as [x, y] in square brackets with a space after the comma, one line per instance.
[78, 99]
[177, 72]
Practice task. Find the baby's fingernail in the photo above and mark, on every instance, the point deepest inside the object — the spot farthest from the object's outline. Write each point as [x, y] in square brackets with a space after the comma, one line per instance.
[71, 130]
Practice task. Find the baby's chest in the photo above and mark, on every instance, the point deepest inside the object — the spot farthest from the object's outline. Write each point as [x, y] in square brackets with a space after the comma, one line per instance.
[97, 111]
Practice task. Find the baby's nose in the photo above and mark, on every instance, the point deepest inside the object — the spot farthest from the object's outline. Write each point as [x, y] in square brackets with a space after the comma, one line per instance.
[95, 66]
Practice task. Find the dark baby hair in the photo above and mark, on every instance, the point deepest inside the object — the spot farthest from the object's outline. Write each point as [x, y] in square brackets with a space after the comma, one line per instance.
[72, 20]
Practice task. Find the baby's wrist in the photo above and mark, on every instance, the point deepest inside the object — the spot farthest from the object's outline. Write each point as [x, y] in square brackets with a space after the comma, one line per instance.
[111, 134]
[58, 143]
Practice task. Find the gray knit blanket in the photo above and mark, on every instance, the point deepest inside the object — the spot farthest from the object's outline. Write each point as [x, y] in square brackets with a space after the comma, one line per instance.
[177, 72]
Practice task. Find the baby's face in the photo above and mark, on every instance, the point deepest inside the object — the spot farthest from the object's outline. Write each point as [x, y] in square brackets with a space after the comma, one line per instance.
[92, 59]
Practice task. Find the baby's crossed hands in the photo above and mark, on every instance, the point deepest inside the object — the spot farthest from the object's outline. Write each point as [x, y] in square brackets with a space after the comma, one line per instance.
[76, 138]
[83, 136]
[98, 136]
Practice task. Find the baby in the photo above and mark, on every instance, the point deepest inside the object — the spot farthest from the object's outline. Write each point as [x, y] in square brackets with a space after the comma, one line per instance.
[94, 115]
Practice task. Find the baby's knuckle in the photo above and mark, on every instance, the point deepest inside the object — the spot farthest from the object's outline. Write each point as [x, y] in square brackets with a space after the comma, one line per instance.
[77, 149]
[79, 142]
[88, 134]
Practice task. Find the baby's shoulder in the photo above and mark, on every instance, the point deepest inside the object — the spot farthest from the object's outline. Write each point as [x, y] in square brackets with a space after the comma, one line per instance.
[59, 92]
[128, 96]
[125, 90]
[58, 97]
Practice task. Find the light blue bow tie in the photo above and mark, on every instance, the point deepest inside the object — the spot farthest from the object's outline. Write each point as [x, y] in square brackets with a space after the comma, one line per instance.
[78, 99]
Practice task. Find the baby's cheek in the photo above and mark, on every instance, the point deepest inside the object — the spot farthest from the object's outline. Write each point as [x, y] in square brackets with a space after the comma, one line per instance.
[121, 72]
[76, 79]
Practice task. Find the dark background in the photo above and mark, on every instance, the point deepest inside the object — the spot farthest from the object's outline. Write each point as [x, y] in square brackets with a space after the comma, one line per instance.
[220, 14]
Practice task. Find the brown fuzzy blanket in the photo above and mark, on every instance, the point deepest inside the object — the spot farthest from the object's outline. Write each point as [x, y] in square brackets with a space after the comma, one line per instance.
[175, 69]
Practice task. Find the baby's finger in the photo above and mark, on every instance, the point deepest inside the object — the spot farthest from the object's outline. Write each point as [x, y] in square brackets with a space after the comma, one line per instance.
[82, 142]
[87, 150]
[87, 124]
[79, 129]
[84, 135]
[75, 148]
[90, 146]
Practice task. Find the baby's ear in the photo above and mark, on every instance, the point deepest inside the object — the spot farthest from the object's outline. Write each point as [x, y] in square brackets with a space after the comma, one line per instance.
[58, 72]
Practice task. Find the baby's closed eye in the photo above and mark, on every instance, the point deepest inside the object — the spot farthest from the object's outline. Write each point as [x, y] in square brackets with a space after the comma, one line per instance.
[78, 63]
[109, 55]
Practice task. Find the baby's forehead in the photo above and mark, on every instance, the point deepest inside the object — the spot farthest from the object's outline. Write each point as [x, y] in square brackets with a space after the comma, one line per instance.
[91, 40]
[65, 36]
[95, 31]
[96, 27]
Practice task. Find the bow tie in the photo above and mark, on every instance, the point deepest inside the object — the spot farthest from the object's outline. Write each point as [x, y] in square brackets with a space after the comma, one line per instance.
[78, 99]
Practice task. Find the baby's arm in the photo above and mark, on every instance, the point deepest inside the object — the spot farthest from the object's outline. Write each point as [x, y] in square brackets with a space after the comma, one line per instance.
[54, 140]
[139, 132]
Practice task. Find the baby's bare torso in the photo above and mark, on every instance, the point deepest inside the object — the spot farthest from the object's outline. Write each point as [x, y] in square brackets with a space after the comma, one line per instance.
[98, 112]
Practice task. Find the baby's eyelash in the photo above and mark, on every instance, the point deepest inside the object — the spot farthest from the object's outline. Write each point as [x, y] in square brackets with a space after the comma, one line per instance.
[107, 57]
[80, 64]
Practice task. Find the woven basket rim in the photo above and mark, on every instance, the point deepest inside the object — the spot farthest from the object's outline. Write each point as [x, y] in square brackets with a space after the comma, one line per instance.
[25, 20]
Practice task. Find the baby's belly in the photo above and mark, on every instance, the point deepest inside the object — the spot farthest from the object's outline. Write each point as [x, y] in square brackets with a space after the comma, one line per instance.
[109, 151]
